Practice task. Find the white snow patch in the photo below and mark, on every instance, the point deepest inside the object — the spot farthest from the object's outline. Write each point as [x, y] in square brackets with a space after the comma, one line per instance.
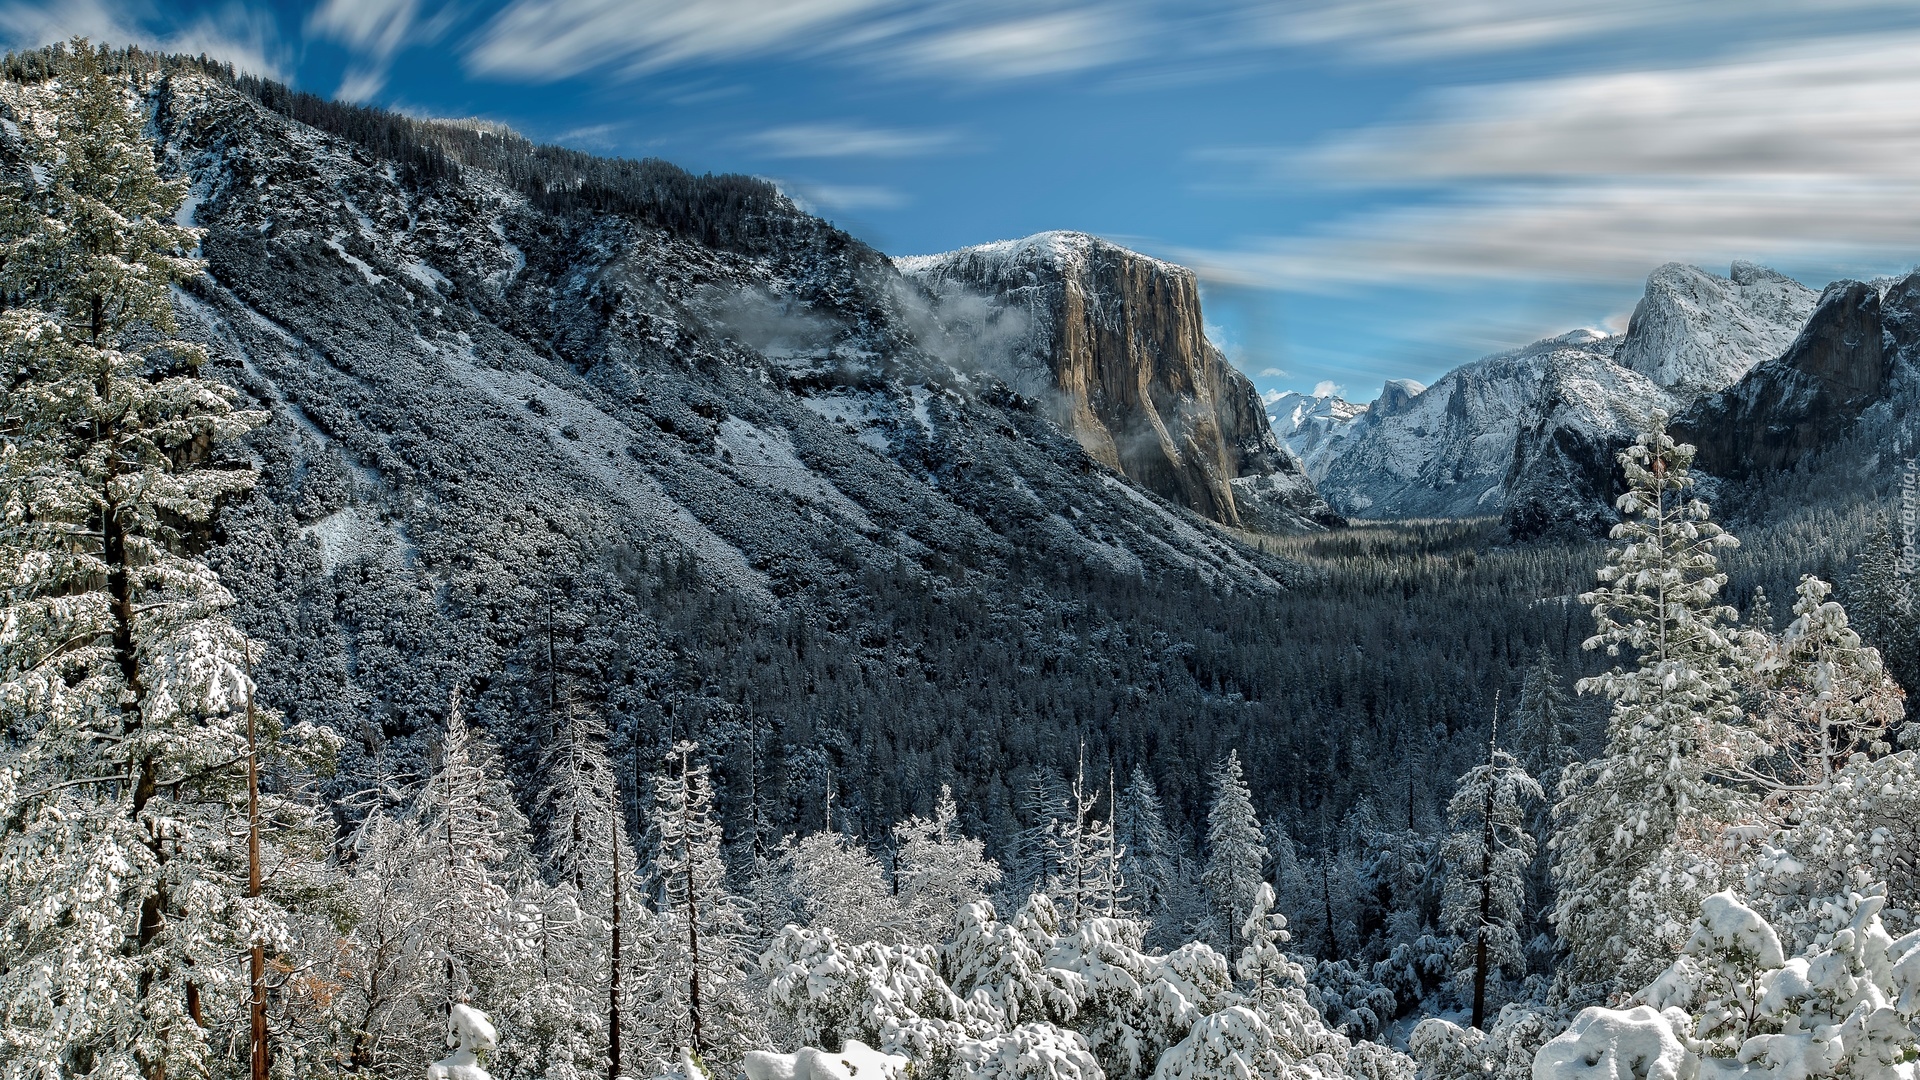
[767, 456]
[601, 452]
[513, 252]
[354, 534]
[427, 275]
[365, 270]
[189, 206]
[866, 414]
[921, 395]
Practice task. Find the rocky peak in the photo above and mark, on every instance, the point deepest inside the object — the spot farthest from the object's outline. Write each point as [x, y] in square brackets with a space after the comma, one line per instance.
[1838, 366]
[1113, 343]
[1396, 397]
[1695, 332]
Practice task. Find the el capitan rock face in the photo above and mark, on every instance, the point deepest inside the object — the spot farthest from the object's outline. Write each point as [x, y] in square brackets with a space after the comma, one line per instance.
[1113, 342]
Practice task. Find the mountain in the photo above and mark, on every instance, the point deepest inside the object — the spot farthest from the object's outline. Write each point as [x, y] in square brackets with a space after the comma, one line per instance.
[1113, 343]
[1843, 362]
[551, 430]
[1530, 434]
[1694, 332]
[1312, 426]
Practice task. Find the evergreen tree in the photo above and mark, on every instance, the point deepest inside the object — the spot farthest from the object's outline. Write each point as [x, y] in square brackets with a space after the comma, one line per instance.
[1826, 696]
[1151, 862]
[1544, 733]
[1486, 855]
[1879, 595]
[1236, 853]
[123, 685]
[938, 869]
[1636, 827]
[587, 940]
[1035, 857]
[704, 959]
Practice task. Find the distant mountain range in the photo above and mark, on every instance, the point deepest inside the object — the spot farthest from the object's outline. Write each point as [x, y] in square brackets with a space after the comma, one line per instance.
[1755, 367]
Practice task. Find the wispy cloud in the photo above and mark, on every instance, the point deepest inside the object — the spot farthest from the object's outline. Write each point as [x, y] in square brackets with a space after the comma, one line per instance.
[848, 141]
[247, 37]
[546, 40]
[844, 197]
[1808, 154]
[374, 32]
[1394, 30]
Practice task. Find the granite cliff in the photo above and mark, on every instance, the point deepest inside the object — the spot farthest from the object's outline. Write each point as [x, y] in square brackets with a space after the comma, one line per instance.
[1113, 342]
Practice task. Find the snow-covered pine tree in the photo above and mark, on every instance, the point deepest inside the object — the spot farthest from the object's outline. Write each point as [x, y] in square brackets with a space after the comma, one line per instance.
[1486, 854]
[587, 939]
[1236, 853]
[1034, 857]
[1088, 881]
[122, 682]
[1637, 825]
[1151, 861]
[703, 959]
[840, 887]
[1826, 696]
[1879, 597]
[938, 869]
[473, 871]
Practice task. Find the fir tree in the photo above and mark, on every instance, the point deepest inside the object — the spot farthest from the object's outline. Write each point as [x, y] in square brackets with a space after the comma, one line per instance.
[1236, 855]
[1544, 734]
[1151, 862]
[122, 682]
[699, 980]
[1486, 855]
[1635, 826]
[938, 869]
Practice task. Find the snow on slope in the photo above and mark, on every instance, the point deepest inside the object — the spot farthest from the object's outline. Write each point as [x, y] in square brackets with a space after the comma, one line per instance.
[1694, 332]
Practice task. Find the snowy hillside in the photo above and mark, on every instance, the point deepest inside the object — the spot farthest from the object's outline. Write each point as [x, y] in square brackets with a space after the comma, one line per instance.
[1311, 425]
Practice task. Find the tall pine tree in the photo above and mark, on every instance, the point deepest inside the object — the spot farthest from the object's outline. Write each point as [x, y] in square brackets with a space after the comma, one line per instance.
[123, 684]
[1236, 852]
[1637, 826]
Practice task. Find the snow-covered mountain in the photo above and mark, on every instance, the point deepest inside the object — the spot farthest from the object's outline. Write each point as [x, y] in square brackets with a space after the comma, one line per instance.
[1529, 434]
[547, 424]
[1313, 425]
[1113, 343]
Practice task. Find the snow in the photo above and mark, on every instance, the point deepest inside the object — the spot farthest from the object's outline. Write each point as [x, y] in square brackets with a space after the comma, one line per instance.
[426, 275]
[366, 271]
[766, 456]
[854, 1061]
[470, 1028]
[869, 415]
[189, 206]
[1611, 1044]
[352, 535]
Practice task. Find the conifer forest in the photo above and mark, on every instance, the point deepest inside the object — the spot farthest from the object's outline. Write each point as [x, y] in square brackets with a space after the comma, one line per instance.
[472, 609]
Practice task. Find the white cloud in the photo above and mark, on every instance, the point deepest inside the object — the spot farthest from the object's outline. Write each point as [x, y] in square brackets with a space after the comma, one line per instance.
[846, 197]
[1326, 388]
[1807, 154]
[543, 40]
[1272, 373]
[848, 141]
[1394, 30]
[245, 37]
[375, 31]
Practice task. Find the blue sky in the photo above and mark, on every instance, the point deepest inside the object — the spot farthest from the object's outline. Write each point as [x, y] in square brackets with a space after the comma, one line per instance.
[1369, 188]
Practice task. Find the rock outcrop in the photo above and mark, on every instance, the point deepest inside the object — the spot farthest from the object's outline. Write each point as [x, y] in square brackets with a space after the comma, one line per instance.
[1695, 332]
[1113, 343]
[1839, 365]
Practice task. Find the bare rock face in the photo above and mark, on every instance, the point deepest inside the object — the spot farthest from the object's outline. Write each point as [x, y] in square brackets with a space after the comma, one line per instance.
[1113, 343]
[1840, 364]
[1695, 332]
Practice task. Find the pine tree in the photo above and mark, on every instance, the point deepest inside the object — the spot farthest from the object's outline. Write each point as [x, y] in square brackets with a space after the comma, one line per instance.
[703, 958]
[1088, 883]
[1486, 855]
[1544, 734]
[1636, 826]
[122, 682]
[1826, 696]
[1035, 858]
[1151, 863]
[472, 871]
[938, 869]
[1879, 595]
[1236, 855]
[587, 940]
